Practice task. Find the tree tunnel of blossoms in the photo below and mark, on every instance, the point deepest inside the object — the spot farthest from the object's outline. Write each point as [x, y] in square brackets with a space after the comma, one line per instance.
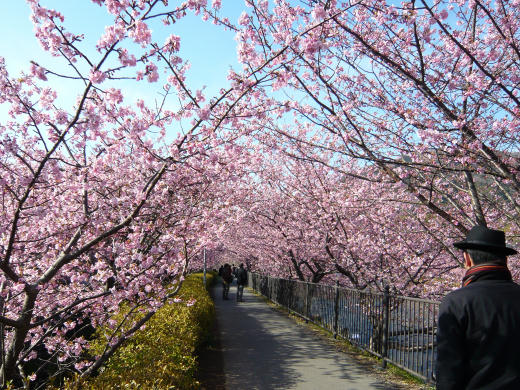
[356, 143]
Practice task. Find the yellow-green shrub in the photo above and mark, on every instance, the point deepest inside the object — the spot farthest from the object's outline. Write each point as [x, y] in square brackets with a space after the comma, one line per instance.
[163, 355]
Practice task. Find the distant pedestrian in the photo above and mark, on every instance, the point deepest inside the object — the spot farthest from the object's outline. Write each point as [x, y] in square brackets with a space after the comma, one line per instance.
[241, 275]
[478, 335]
[227, 279]
[220, 270]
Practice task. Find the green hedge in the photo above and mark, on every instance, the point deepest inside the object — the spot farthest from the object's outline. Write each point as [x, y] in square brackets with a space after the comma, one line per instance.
[163, 354]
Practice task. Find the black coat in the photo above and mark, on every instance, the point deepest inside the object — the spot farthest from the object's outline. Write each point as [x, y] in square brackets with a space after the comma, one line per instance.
[478, 337]
[241, 276]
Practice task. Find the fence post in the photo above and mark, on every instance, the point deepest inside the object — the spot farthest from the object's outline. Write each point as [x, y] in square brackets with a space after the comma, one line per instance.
[307, 305]
[386, 320]
[336, 309]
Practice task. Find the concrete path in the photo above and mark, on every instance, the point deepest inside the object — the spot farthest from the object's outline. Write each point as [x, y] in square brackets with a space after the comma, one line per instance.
[264, 349]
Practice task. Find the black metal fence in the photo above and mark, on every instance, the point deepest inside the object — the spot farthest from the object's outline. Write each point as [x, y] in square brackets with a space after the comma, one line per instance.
[398, 329]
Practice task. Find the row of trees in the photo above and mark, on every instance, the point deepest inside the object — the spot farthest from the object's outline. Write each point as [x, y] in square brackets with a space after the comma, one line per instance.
[110, 201]
[317, 226]
[359, 139]
[400, 124]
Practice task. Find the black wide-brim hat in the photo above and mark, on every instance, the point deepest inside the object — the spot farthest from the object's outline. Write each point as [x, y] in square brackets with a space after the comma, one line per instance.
[489, 240]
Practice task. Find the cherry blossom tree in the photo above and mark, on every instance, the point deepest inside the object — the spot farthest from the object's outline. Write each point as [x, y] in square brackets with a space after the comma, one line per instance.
[303, 220]
[359, 139]
[109, 201]
[422, 95]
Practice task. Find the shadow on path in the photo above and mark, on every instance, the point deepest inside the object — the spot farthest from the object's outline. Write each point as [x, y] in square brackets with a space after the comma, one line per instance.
[264, 349]
[211, 363]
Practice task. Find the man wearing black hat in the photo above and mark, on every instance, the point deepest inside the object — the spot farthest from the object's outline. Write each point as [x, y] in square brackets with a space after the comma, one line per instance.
[478, 334]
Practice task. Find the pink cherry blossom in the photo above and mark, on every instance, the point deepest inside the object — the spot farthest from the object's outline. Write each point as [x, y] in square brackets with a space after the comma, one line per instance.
[114, 96]
[243, 20]
[319, 13]
[173, 43]
[97, 76]
[354, 143]
[126, 58]
[112, 35]
[38, 71]
[140, 33]
[151, 73]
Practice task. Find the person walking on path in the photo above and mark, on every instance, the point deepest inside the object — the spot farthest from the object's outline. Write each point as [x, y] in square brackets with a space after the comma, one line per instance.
[478, 340]
[227, 279]
[241, 275]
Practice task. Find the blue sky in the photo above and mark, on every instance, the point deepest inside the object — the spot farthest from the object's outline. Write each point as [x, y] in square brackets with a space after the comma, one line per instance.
[210, 50]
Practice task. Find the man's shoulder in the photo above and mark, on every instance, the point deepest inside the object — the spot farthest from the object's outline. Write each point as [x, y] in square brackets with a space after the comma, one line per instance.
[454, 296]
[487, 288]
[497, 285]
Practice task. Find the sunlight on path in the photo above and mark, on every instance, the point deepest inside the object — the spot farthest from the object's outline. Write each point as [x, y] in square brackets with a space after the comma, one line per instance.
[264, 349]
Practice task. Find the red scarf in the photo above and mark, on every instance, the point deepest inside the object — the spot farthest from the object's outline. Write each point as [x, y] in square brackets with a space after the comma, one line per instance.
[486, 271]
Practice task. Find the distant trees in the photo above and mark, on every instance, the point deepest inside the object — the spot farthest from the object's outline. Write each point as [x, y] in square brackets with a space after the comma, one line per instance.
[413, 101]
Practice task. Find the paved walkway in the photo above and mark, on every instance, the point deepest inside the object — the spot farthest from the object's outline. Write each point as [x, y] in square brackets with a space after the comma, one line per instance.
[264, 349]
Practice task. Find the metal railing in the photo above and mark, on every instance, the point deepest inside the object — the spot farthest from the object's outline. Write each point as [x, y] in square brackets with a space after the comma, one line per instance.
[397, 329]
